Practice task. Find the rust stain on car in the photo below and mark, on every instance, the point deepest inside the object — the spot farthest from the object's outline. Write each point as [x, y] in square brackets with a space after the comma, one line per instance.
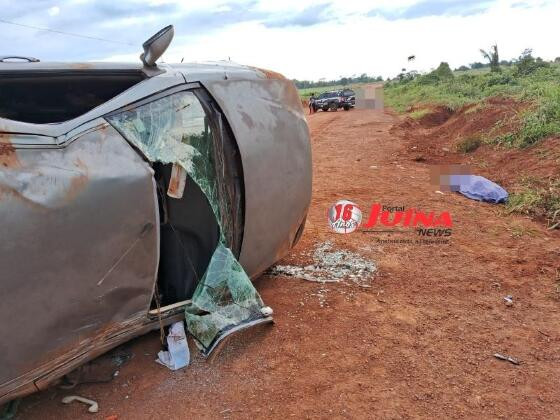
[8, 156]
[269, 74]
[81, 66]
[78, 183]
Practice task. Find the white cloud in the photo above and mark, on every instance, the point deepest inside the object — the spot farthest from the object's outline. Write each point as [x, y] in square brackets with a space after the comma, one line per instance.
[377, 46]
[304, 39]
[53, 11]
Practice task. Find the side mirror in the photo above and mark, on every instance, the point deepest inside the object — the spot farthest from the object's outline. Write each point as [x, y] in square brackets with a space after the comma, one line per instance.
[156, 46]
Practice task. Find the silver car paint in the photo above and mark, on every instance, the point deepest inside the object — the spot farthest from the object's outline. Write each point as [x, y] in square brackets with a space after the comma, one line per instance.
[277, 171]
[86, 239]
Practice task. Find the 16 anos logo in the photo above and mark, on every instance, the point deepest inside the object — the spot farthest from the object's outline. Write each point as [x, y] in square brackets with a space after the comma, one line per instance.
[344, 217]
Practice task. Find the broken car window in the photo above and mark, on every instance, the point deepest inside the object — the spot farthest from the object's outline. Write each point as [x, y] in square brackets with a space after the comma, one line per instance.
[175, 129]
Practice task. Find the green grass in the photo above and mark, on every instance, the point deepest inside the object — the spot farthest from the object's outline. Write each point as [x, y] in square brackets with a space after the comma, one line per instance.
[419, 113]
[469, 145]
[539, 123]
[483, 70]
[541, 88]
[537, 198]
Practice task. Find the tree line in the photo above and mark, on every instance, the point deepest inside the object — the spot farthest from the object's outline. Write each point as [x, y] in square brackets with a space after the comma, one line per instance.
[363, 78]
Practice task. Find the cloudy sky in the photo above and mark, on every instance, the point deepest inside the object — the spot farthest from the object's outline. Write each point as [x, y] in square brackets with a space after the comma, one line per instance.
[303, 39]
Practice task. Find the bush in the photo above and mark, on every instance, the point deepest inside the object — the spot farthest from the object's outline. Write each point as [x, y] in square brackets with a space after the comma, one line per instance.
[442, 73]
[469, 145]
[505, 78]
[541, 88]
[538, 123]
[419, 113]
[527, 64]
[537, 199]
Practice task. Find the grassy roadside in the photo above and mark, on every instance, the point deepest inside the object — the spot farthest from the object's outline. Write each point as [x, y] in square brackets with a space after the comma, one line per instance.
[530, 81]
[539, 86]
[536, 84]
[538, 199]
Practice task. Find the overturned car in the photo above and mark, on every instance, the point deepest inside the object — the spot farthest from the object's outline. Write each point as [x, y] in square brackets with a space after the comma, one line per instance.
[131, 195]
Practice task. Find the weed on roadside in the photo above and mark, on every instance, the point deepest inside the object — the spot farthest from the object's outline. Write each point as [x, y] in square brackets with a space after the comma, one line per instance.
[538, 199]
[469, 145]
[539, 87]
[419, 113]
[519, 231]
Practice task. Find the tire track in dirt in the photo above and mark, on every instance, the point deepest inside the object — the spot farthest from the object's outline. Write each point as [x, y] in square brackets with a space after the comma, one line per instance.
[324, 122]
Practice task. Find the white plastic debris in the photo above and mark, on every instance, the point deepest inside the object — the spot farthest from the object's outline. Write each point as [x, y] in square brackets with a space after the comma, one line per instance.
[93, 406]
[508, 300]
[267, 311]
[507, 358]
[178, 355]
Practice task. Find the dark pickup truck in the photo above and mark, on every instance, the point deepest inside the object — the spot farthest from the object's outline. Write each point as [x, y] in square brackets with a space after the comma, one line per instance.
[335, 99]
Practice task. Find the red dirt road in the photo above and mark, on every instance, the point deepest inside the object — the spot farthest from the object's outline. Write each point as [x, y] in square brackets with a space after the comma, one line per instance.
[417, 344]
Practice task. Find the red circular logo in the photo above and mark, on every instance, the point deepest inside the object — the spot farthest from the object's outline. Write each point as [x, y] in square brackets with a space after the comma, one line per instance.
[344, 217]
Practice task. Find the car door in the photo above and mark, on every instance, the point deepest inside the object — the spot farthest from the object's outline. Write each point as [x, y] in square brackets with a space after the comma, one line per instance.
[80, 238]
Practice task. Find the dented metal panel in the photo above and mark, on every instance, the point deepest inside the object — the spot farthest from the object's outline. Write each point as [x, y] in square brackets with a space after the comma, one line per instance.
[80, 233]
[267, 120]
[80, 243]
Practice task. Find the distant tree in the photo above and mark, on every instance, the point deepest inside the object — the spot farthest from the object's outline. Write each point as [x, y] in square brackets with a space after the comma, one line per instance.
[477, 65]
[405, 77]
[557, 60]
[527, 64]
[493, 58]
[443, 71]
[363, 78]
[463, 68]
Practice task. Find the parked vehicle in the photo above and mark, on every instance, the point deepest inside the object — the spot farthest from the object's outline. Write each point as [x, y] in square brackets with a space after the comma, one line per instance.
[332, 101]
[350, 96]
[97, 215]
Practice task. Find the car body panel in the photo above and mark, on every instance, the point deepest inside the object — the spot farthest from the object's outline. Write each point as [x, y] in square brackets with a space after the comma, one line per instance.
[81, 242]
[85, 257]
[274, 170]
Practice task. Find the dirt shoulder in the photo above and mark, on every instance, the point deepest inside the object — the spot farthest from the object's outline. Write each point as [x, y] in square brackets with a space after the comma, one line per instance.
[418, 343]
